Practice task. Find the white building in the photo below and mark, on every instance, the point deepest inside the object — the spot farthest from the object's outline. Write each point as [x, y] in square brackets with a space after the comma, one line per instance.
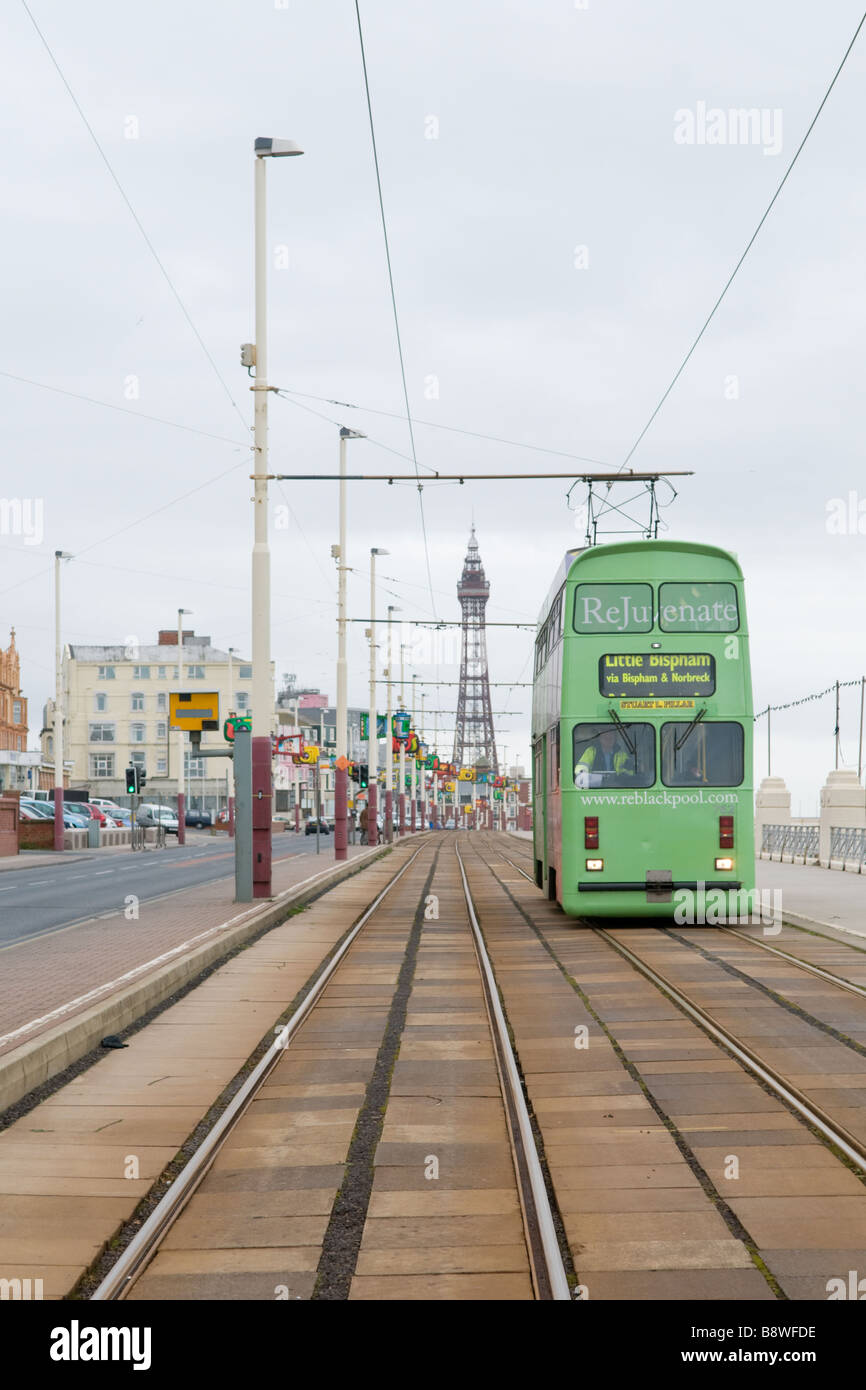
[117, 711]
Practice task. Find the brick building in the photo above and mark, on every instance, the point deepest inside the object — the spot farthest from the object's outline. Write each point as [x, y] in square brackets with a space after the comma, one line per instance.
[13, 722]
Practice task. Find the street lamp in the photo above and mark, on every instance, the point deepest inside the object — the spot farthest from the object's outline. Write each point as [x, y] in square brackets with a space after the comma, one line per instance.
[262, 692]
[372, 738]
[58, 705]
[181, 799]
[341, 776]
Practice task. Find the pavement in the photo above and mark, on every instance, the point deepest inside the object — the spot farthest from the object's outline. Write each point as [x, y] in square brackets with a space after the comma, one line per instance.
[825, 900]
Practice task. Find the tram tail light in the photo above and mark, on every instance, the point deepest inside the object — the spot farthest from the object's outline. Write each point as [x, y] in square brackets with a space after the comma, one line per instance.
[590, 832]
[726, 832]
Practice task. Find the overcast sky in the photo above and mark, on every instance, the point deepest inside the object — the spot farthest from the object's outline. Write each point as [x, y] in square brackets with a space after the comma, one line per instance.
[555, 129]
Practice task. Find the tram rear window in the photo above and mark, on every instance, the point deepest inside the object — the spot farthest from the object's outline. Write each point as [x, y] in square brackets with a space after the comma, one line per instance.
[701, 755]
[610, 755]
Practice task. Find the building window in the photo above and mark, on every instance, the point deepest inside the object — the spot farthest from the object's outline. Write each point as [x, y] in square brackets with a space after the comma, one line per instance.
[242, 700]
[138, 760]
[101, 733]
[136, 733]
[161, 702]
[161, 728]
[195, 767]
[50, 745]
[245, 673]
[106, 673]
[19, 743]
[141, 673]
[195, 673]
[160, 673]
[137, 700]
[161, 767]
[16, 711]
[102, 764]
[330, 733]
[100, 702]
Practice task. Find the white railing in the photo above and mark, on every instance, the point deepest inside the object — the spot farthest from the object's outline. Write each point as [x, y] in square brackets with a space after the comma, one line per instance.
[800, 841]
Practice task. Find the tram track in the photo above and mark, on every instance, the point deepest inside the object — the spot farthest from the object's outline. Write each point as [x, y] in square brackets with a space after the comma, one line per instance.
[777, 1129]
[249, 1125]
[853, 1146]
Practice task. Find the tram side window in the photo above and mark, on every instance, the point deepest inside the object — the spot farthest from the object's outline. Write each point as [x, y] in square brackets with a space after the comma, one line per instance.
[702, 755]
[553, 769]
[606, 755]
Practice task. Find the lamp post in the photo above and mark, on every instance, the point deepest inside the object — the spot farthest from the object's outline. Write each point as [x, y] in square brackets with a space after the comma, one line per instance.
[296, 772]
[372, 739]
[413, 770]
[262, 690]
[341, 776]
[230, 801]
[58, 706]
[389, 738]
[181, 741]
[401, 775]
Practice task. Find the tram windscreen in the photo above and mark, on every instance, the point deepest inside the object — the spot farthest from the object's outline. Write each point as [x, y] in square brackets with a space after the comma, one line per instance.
[609, 755]
[702, 755]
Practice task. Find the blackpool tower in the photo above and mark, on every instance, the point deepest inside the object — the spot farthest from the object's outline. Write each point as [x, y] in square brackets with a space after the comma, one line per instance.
[473, 735]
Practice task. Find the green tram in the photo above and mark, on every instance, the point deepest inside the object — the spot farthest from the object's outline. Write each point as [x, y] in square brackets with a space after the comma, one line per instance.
[642, 734]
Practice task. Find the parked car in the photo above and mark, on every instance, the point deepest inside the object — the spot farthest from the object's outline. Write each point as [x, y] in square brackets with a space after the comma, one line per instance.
[197, 817]
[44, 810]
[122, 816]
[151, 814]
[105, 818]
[324, 828]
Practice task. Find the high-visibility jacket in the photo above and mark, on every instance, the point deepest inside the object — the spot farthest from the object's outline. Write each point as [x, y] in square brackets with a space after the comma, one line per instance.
[588, 758]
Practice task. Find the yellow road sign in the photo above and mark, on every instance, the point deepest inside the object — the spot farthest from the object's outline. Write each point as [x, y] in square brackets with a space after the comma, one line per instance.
[194, 710]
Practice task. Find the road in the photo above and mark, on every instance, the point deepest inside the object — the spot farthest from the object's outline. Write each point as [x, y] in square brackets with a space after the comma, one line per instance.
[34, 901]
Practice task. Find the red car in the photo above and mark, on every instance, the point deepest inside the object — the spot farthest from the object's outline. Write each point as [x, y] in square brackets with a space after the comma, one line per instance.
[98, 814]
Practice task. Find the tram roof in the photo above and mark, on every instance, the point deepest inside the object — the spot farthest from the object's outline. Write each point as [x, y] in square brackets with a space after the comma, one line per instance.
[585, 555]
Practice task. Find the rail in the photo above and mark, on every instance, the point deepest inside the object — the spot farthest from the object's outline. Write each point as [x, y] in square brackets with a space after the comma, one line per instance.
[791, 839]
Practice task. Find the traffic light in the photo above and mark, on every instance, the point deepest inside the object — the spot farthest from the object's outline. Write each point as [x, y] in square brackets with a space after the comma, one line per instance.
[363, 774]
[142, 778]
[135, 780]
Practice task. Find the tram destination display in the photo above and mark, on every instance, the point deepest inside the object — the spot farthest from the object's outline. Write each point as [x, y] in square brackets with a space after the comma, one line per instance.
[656, 673]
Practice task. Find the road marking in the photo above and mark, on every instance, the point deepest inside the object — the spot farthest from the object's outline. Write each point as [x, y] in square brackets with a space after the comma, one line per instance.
[35, 882]
[7, 890]
[102, 873]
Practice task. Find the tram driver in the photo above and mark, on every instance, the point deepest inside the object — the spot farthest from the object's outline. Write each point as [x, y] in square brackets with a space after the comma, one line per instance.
[606, 761]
